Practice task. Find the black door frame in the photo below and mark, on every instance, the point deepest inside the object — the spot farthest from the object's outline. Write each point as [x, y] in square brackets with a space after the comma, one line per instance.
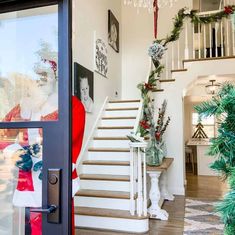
[56, 135]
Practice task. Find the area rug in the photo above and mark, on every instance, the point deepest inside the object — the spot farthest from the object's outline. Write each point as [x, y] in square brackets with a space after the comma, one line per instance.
[200, 218]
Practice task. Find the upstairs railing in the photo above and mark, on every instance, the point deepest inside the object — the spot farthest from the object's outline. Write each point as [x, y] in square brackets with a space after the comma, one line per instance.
[200, 41]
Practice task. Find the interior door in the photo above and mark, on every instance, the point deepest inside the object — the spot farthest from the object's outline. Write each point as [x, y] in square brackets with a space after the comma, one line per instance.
[35, 126]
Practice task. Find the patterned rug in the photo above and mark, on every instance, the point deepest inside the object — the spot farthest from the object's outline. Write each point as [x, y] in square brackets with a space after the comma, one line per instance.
[200, 218]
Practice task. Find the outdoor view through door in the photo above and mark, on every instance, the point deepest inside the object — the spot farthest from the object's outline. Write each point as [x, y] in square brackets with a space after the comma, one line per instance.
[28, 92]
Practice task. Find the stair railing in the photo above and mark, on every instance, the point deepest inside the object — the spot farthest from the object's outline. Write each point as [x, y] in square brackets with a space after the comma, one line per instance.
[138, 181]
[201, 41]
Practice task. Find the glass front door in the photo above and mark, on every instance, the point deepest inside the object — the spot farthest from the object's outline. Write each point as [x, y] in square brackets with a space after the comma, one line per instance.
[34, 132]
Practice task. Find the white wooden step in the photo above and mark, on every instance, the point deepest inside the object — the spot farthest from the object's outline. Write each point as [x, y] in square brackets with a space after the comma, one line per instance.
[105, 185]
[113, 132]
[106, 203]
[123, 105]
[120, 113]
[116, 122]
[110, 143]
[113, 156]
[109, 170]
[110, 220]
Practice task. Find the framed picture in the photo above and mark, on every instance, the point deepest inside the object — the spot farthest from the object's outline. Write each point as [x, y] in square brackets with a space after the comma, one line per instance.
[101, 57]
[113, 31]
[84, 86]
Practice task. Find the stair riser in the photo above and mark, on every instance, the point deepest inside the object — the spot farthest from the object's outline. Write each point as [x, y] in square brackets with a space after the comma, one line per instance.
[123, 105]
[110, 144]
[118, 224]
[106, 203]
[105, 185]
[107, 170]
[126, 113]
[118, 122]
[109, 156]
[113, 132]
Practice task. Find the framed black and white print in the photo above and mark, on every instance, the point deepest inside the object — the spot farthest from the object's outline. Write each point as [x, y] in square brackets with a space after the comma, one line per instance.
[113, 31]
[84, 86]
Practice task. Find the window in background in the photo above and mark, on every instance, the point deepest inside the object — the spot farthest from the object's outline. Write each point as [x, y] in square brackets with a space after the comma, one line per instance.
[208, 123]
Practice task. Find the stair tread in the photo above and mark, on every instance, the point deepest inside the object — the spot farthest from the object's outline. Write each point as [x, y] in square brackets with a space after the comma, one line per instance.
[178, 70]
[111, 138]
[114, 127]
[109, 150]
[123, 101]
[101, 212]
[122, 109]
[167, 80]
[105, 177]
[113, 118]
[106, 163]
[158, 90]
[103, 194]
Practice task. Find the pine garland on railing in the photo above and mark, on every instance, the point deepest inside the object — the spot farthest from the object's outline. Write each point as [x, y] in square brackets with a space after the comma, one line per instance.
[159, 46]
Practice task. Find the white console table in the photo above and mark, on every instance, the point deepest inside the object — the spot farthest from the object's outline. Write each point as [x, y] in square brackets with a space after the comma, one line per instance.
[159, 191]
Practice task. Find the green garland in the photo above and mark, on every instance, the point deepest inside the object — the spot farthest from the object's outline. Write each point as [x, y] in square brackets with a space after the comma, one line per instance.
[182, 14]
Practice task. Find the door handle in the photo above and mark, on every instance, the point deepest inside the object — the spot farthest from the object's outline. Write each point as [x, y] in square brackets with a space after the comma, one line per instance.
[49, 210]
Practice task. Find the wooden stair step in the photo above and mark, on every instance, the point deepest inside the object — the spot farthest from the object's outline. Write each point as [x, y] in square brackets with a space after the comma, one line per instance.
[178, 70]
[106, 163]
[158, 90]
[125, 178]
[123, 101]
[114, 118]
[121, 109]
[110, 138]
[167, 80]
[115, 127]
[108, 150]
[103, 194]
[101, 212]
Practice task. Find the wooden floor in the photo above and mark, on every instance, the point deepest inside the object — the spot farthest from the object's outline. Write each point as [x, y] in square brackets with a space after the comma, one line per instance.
[197, 187]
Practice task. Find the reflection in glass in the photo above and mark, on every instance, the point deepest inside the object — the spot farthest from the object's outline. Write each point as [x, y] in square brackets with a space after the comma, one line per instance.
[28, 65]
[20, 181]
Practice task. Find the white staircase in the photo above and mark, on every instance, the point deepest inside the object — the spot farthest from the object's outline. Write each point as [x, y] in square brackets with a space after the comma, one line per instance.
[103, 202]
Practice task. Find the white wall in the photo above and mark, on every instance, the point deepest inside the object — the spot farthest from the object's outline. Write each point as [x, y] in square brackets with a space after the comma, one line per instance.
[137, 36]
[90, 16]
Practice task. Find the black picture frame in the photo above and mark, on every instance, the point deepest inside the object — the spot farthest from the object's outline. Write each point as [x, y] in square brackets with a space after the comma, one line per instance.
[113, 31]
[79, 73]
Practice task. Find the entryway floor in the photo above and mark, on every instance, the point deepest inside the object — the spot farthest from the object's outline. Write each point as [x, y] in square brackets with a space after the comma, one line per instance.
[198, 187]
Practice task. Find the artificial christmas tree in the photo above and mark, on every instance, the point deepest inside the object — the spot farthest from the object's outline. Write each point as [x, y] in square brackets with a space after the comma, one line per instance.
[223, 148]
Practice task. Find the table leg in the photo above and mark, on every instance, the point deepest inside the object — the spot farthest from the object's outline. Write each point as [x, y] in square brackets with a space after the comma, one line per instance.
[155, 211]
[164, 189]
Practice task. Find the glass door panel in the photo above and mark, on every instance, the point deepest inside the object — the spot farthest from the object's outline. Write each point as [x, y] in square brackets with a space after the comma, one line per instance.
[28, 65]
[20, 181]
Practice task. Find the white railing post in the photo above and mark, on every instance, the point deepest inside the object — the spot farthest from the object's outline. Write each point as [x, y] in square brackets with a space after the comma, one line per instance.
[232, 31]
[167, 65]
[178, 54]
[222, 38]
[194, 56]
[186, 50]
[138, 164]
[132, 182]
[216, 39]
[140, 185]
[210, 38]
[199, 40]
[227, 38]
[172, 56]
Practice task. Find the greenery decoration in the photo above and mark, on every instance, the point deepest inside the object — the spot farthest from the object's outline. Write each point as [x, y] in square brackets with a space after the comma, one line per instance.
[156, 52]
[223, 148]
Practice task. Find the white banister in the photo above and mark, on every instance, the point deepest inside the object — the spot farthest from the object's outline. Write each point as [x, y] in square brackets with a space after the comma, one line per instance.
[199, 40]
[186, 42]
[222, 38]
[132, 189]
[137, 151]
[232, 32]
[178, 54]
[227, 38]
[172, 56]
[216, 39]
[204, 41]
[210, 38]
[193, 42]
